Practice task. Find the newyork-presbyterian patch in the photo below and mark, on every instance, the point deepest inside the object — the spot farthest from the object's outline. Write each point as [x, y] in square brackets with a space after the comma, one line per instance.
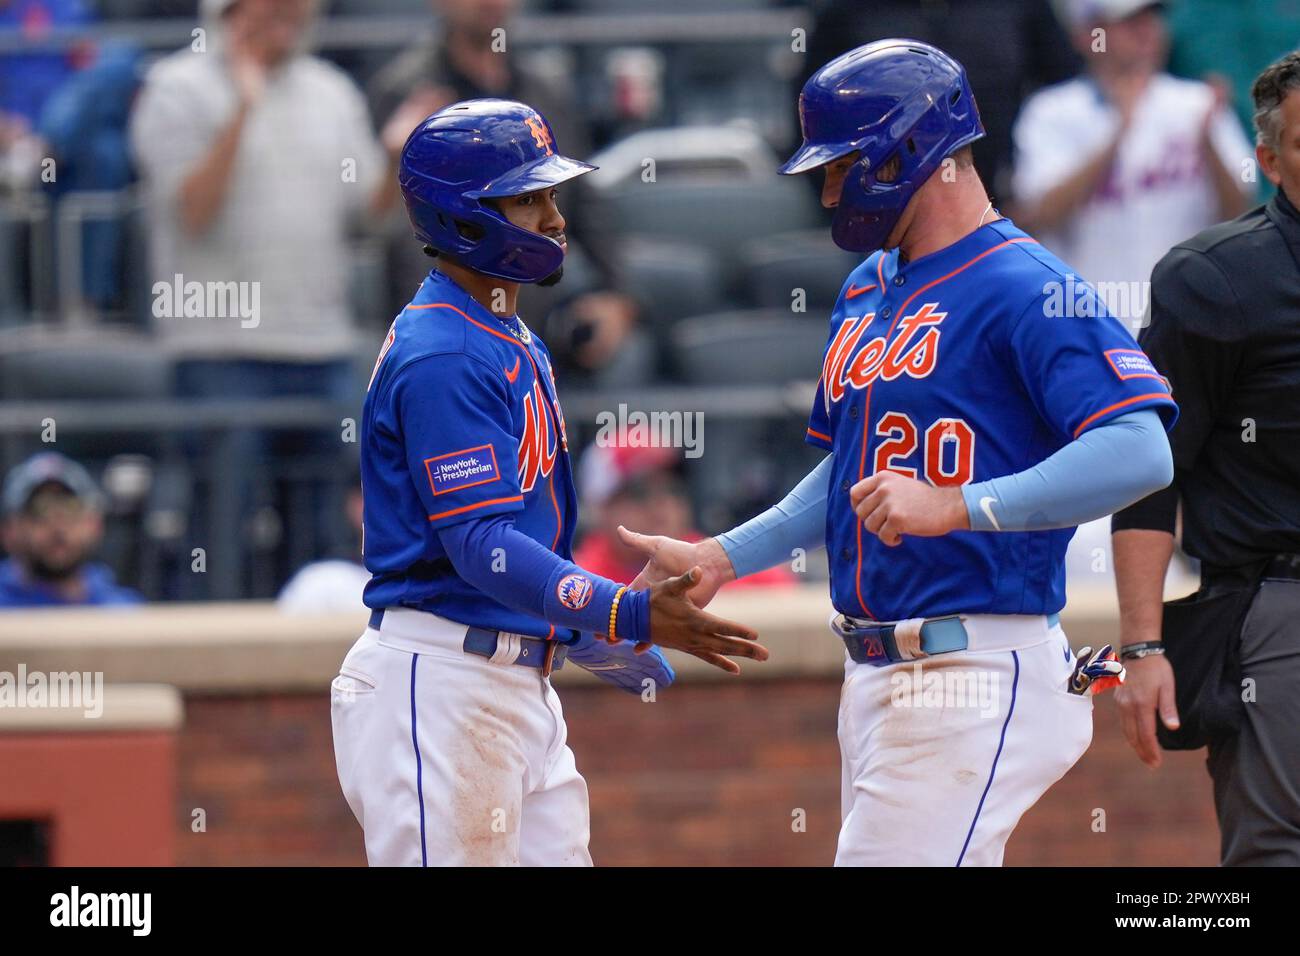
[462, 469]
[1131, 363]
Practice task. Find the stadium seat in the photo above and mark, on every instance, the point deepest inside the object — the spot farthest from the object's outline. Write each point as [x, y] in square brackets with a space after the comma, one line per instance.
[82, 369]
[78, 371]
[749, 462]
[684, 154]
[712, 186]
[773, 266]
[758, 347]
[723, 83]
[720, 216]
[670, 280]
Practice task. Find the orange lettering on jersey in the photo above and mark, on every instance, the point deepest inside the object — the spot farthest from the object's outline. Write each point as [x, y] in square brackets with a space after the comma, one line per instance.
[919, 360]
[865, 366]
[388, 344]
[537, 444]
[555, 390]
[837, 356]
[907, 354]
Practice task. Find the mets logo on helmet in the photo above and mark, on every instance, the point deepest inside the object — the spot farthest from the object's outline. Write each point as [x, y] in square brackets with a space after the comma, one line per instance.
[574, 591]
[541, 135]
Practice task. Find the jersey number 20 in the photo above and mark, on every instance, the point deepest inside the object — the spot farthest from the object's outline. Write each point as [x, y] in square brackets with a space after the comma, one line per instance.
[949, 454]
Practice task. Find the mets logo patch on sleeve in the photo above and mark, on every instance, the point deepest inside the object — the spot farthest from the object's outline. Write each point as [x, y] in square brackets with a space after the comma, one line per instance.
[574, 591]
[462, 469]
[1131, 363]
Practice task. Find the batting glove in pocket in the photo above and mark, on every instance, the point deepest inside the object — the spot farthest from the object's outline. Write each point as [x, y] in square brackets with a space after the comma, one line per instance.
[1095, 673]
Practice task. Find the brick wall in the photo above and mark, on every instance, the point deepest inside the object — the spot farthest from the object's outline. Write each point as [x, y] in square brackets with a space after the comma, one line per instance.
[74, 784]
[712, 778]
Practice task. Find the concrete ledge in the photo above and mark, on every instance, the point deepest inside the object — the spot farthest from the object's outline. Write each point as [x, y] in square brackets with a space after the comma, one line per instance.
[120, 707]
[251, 647]
[203, 647]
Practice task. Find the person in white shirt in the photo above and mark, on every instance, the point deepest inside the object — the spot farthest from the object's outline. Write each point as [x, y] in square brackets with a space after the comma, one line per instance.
[257, 160]
[1116, 166]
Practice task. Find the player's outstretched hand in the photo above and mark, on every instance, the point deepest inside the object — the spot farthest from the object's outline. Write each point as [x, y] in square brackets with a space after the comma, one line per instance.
[677, 623]
[891, 505]
[1147, 696]
[667, 557]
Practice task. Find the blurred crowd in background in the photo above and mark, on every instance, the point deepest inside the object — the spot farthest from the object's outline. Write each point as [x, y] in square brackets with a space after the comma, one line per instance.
[203, 445]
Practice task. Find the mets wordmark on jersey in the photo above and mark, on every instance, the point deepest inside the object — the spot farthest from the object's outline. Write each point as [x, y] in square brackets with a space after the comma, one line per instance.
[959, 367]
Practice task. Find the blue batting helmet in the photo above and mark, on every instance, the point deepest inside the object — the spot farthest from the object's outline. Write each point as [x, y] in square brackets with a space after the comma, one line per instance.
[476, 150]
[890, 98]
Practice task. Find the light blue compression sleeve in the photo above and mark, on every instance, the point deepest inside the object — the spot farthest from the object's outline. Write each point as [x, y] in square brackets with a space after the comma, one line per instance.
[797, 521]
[1102, 471]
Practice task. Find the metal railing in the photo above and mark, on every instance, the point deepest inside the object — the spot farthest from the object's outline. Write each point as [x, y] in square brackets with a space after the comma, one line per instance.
[53, 289]
[27, 215]
[222, 425]
[219, 426]
[72, 212]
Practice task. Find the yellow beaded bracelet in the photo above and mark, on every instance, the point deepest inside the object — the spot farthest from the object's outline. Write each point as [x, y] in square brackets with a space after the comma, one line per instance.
[613, 611]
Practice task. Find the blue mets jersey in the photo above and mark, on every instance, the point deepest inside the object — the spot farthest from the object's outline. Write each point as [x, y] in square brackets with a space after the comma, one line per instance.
[461, 421]
[977, 361]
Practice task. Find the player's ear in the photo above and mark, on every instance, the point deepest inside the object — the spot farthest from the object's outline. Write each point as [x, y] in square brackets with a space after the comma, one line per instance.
[888, 171]
[1267, 159]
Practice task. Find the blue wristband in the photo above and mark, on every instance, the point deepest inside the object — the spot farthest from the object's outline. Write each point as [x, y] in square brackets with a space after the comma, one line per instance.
[633, 620]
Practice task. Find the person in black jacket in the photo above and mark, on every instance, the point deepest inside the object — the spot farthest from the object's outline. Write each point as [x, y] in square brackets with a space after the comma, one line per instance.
[1225, 329]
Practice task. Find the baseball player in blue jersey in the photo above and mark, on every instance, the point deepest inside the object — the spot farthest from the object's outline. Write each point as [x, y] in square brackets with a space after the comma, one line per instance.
[973, 419]
[449, 740]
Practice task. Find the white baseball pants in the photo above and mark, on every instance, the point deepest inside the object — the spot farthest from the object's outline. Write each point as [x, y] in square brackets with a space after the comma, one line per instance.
[942, 756]
[449, 759]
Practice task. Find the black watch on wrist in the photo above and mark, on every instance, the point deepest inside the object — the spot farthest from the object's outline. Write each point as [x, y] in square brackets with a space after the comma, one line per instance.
[1135, 652]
